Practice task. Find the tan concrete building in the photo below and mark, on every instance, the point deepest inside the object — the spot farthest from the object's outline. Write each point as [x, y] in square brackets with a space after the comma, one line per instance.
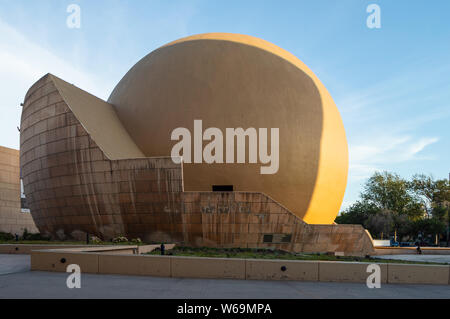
[107, 168]
[14, 219]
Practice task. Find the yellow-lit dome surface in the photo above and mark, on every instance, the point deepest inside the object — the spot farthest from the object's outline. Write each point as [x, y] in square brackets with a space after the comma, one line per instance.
[232, 81]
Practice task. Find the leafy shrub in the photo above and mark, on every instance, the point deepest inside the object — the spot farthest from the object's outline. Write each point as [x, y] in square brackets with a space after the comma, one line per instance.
[6, 236]
[136, 241]
[120, 239]
[37, 236]
[95, 240]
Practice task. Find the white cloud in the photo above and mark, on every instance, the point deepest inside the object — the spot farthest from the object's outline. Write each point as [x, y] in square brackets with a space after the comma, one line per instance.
[384, 151]
[388, 122]
[28, 61]
[420, 145]
[23, 62]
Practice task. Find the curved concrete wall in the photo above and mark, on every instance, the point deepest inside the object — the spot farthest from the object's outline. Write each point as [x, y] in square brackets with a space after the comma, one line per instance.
[71, 186]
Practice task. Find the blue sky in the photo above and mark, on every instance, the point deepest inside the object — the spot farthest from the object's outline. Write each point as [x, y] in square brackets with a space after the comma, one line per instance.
[391, 85]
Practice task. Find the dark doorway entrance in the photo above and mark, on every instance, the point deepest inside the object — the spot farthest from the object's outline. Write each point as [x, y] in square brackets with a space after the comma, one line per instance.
[222, 188]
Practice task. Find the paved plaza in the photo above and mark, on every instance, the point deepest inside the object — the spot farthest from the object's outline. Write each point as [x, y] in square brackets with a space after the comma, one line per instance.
[17, 281]
[421, 258]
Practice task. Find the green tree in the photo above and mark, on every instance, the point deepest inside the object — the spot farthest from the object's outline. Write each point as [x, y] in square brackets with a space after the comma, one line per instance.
[379, 224]
[389, 192]
[358, 213]
[434, 194]
[435, 197]
[429, 227]
[392, 195]
[390, 204]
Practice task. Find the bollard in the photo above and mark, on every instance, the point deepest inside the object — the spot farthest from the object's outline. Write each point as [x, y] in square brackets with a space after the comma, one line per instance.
[87, 238]
[162, 249]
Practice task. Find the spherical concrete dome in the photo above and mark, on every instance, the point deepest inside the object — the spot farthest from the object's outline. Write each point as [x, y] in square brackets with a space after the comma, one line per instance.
[231, 81]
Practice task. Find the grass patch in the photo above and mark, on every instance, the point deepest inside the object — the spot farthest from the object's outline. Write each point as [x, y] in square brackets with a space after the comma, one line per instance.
[250, 253]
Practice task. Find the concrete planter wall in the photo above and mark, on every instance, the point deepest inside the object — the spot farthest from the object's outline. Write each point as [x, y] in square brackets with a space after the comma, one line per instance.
[235, 268]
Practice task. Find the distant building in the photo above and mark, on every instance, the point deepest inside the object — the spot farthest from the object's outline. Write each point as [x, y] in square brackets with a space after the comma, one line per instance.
[14, 215]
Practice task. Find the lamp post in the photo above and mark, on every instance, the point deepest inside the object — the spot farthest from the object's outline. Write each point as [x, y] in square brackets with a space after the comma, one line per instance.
[448, 224]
